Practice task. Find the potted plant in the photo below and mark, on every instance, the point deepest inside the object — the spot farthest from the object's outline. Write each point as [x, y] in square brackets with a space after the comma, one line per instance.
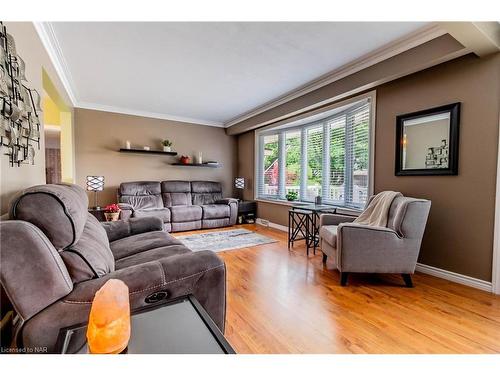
[292, 196]
[112, 212]
[167, 145]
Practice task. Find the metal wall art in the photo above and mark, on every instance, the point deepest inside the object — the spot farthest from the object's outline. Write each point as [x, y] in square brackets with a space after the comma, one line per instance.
[19, 106]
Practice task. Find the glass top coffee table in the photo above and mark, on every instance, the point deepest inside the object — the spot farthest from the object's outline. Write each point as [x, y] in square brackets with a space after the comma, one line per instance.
[179, 326]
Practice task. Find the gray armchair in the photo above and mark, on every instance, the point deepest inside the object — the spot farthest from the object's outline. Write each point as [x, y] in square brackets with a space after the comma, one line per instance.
[362, 248]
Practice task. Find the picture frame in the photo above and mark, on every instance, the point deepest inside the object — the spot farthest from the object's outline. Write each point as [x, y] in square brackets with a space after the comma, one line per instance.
[427, 142]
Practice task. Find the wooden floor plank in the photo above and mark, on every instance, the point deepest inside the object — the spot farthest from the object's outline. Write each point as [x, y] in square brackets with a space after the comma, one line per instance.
[281, 301]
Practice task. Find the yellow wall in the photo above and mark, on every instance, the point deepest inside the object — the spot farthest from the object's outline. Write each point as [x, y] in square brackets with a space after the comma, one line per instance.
[67, 149]
[51, 112]
[55, 112]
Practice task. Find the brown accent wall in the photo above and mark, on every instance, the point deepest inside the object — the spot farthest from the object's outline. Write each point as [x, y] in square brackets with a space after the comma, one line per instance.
[459, 235]
[99, 135]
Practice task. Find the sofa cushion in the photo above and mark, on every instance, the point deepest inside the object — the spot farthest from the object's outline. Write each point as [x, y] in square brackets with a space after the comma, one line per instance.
[90, 257]
[141, 194]
[128, 246]
[182, 214]
[206, 192]
[215, 223]
[216, 211]
[60, 211]
[162, 213]
[188, 225]
[176, 193]
[151, 255]
[329, 234]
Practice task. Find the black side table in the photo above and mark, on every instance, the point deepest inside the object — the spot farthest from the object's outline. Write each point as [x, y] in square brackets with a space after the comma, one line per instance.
[98, 213]
[303, 221]
[247, 212]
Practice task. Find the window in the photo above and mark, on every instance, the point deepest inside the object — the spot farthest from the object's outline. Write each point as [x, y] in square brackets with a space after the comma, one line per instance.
[326, 155]
[270, 167]
[314, 157]
[292, 161]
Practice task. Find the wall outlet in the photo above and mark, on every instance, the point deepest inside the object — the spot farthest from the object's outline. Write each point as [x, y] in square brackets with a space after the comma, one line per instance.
[264, 222]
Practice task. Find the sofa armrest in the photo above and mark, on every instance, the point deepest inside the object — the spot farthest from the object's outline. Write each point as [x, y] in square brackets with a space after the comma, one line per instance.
[127, 211]
[136, 225]
[226, 201]
[363, 248]
[335, 219]
[32, 273]
[233, 206]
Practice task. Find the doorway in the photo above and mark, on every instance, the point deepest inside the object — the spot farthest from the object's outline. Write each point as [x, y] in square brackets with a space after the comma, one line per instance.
[58, 131]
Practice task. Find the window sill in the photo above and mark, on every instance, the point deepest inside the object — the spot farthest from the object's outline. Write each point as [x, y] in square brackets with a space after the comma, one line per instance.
[340, 210]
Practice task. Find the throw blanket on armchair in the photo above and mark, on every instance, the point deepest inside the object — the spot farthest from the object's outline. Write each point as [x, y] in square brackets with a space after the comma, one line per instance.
[377, 212]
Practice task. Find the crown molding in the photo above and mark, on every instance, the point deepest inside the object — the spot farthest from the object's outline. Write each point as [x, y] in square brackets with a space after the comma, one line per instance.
[482, 38]
[51, 44]
[394, 48]
[133, 112]
[49, 41]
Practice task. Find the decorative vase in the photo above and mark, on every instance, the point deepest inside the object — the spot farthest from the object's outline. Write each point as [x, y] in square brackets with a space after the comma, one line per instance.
[184, 159]
[112, 216]
[167, 148]
[200, 157]
[127, 145]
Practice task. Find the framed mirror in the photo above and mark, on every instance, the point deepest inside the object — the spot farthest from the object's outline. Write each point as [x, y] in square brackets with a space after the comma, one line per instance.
[427, 142]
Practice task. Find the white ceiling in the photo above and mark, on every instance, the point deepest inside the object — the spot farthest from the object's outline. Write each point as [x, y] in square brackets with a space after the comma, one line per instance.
[205, 72]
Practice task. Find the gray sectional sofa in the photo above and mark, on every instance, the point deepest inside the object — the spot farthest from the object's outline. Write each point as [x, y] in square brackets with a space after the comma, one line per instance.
[181, 205]
[55, 256]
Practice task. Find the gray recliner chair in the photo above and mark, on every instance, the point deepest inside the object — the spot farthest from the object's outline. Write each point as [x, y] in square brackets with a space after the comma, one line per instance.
[368, 249]
[55, 255]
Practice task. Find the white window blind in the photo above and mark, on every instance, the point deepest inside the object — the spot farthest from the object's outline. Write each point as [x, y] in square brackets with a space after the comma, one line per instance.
[293, 161]
[328, 158]
[269, 168]
[314, 157]
[357, 156]
[337, 127]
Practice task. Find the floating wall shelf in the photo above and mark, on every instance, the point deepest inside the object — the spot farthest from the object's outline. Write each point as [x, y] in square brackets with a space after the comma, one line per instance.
[197, 165]
[141, 151]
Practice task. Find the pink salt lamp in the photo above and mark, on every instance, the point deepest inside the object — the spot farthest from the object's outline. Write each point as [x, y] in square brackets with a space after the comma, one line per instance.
[108, 330]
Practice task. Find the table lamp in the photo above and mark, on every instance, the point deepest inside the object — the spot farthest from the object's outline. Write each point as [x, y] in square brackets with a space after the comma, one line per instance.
[239, 183]
[95, 184]
[108, 330]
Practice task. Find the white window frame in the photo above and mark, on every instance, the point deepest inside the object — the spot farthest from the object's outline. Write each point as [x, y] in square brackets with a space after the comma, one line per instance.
[281, 126]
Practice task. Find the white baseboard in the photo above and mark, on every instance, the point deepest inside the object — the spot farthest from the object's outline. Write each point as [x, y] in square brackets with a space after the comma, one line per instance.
[267, 223]
[424, 268]
[455, 277]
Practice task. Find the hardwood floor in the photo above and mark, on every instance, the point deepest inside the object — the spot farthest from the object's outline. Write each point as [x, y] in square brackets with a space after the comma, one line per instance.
[280, 301]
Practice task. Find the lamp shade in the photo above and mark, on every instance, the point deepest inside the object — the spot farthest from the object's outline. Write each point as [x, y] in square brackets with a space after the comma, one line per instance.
[239, 183]
[95, 183]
